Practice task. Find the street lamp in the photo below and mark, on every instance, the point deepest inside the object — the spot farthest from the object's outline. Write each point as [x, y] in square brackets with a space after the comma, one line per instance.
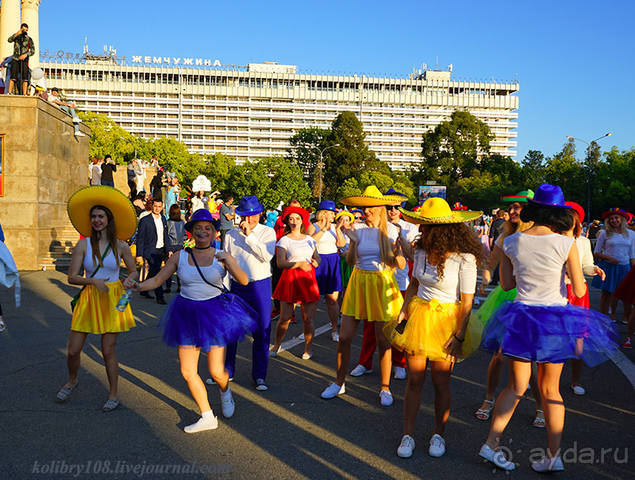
[320, 167]
[131, 143]
[591, 169]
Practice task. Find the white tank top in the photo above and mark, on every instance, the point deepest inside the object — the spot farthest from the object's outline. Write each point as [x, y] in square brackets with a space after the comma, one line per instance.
[110, 269]
[193, 287]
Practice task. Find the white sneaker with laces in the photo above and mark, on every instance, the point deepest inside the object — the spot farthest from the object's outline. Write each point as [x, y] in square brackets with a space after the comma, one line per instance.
[360, 370]
[335, 336]
[79, 134]
[203, 424]
[385, 398]
[437, 446]
[497, 458]
[227, 403]
[406, 447]
[399, 373]
[547, 464]
[332, 391]
[578, 389]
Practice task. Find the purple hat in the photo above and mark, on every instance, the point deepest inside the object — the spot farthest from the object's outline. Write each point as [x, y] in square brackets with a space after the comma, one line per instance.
[249, 206]
[549, 196]
[201, 215]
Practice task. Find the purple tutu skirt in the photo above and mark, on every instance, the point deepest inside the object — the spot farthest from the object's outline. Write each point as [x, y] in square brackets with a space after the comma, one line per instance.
[328, 274]
[207, 323]
[550, 334]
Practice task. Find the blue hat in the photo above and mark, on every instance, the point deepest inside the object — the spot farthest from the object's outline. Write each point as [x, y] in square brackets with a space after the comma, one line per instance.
[249, 206]
[201, 215]
[327, 205]
[357, 210]
[392, 191]
[549, 196]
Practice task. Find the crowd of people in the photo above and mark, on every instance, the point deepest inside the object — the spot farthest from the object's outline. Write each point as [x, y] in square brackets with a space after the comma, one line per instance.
[408, 276]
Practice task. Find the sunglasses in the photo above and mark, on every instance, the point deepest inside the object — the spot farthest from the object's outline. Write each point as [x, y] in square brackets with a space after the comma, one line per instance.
[358, 217]
[392, 207]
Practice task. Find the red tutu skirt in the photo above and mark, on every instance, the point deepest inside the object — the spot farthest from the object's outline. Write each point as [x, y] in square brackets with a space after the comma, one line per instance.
[297, 286]
[582, 301]
[625, 291]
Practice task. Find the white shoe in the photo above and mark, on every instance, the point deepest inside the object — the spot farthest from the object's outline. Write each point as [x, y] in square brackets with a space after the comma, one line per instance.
[578, 390]
[332, 391]
[335, 336]
[437, 446]
[385, 398]
[497, 458]
[360, 370]
[79, 134]
[301, 336]
[227, 404]
[202, 425]
[261, 385]
[406, 447]
[399, 373]
[307, 356]
[274, 353]
[547, 464]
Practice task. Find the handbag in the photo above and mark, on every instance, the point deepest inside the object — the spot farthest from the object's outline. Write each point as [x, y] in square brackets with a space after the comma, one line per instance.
[76, 297]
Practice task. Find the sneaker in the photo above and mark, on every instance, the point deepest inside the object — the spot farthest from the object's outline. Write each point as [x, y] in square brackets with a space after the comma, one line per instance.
[385, 398]
[628, 343]
[274, 352]
[79, 134]
[547, 464]
[210, 381]
[202, 425]
[437, 446]
[332, 391]
[307, 355]
[335, 336]
[261, 385]
[399, 373]
[497, 458]
[406, 447]
[227, 404]
[360, 370]
[578, 389]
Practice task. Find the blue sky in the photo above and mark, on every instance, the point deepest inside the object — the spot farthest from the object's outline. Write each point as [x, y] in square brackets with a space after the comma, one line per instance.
[575, 61]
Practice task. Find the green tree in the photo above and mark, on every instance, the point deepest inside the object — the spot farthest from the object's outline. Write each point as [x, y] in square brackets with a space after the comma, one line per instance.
[453, 148]
[108, 138]
[564, 170]
[533, 169]
[304, 151]
[614, 181]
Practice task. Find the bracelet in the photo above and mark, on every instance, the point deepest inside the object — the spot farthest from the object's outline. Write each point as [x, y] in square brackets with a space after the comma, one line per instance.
[458, 339]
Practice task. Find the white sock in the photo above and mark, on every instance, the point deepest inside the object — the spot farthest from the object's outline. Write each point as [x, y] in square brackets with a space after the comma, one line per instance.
[207, 422]
[208, 415]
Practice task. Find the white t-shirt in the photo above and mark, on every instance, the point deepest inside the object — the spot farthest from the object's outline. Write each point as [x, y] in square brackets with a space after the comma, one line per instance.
[539, 267]
[409, 232]
[328, 241]
[368, 253]
[459, 276]
[298, 250]
[618, 246]
[253, 253]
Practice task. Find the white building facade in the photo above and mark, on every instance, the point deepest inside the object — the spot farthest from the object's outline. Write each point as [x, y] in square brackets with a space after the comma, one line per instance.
[250, 113]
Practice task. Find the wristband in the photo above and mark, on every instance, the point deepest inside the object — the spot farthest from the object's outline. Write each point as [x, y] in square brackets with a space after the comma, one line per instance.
[458, 339]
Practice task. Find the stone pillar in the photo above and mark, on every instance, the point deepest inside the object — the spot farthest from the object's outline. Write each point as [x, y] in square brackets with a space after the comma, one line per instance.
[30, 15]
[9, 24]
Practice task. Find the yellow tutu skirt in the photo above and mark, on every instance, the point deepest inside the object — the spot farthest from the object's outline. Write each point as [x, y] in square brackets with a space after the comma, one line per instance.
[95, 311]
[430, 326]
[372, 295]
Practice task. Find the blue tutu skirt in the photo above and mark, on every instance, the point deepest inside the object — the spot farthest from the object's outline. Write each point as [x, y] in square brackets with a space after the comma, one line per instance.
[328, 274]
[550, 334]
[614, 275]
[207, 323]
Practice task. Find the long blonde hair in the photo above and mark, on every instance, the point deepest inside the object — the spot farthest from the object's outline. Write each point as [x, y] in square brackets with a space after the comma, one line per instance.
[610, 230]
[510, 227]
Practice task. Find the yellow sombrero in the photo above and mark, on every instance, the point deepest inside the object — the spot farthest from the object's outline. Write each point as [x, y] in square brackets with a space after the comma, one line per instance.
[436, 211]
[84, 199]
[372, 197]
[344, 213]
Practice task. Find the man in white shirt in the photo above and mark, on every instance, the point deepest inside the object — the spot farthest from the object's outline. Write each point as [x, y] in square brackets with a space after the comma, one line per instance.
[152, 244]
[253, 245]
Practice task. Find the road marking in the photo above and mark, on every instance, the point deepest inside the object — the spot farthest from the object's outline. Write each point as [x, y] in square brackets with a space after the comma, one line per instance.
[627, 367]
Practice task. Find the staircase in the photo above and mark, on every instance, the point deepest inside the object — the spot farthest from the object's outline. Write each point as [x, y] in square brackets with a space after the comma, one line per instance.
[58, 256]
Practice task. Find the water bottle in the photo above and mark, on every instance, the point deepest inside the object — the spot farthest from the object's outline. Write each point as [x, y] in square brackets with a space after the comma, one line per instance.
[124, 300]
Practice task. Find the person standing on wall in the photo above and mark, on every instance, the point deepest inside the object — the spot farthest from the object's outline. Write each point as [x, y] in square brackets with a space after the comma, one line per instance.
[23, 48]
[107, 169]
[226, 218]
[152, 244]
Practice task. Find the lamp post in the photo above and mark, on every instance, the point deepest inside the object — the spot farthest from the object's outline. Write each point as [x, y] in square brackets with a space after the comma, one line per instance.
[590, 165]
[320, 167]
[131, 143]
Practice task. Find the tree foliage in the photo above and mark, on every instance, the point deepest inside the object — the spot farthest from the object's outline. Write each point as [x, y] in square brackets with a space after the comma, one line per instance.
[108, 138]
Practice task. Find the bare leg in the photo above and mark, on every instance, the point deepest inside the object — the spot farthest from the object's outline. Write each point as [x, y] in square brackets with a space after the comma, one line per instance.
[549, 384]
[441, 371]
[628, 308]
[11, 86]
[333, 309]
[533, 381]
[385, 355]
[188, 357]
[576, 368]
[613, 303]
[604, 302]
[75, 344]
[507, 401]
[25, 88]
[493, 378]
[412, 397]
[108, 342]
[286, 312]
[309, 329]
[347, 333]
[216, 365]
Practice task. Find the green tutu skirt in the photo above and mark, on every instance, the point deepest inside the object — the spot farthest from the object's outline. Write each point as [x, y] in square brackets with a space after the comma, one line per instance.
[494, 300]
[347, 271]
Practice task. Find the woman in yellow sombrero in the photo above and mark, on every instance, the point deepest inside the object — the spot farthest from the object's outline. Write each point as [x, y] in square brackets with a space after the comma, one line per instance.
[433, 323]
[372, 293]
[106, 218]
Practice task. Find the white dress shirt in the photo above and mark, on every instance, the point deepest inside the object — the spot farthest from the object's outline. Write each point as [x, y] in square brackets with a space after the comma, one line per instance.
[253, 253]
[158, 222]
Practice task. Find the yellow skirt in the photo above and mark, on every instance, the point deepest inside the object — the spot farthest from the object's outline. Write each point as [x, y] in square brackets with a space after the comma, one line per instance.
[95, 311]
[430, 326]
[372, 295]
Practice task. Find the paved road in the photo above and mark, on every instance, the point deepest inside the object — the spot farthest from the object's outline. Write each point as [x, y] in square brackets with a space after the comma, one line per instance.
[287, 432]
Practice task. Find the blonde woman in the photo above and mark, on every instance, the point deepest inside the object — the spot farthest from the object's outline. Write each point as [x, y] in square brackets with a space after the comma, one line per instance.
[372, 293]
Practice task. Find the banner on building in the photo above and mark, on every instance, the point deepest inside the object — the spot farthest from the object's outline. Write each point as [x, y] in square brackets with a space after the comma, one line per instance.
[429, 191]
